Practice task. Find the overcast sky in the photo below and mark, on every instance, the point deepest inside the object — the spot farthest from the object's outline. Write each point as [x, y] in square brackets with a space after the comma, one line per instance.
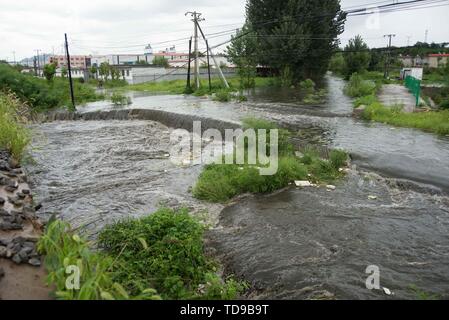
[106, 26]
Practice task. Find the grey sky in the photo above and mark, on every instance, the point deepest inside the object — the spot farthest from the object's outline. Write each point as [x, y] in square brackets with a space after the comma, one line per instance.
[105, 26]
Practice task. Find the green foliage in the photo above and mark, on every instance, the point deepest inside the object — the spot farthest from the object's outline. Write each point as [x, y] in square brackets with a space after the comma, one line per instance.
[421, 294]
[365, 100]
[165, 250]
[104, 70]
[242, 52]
[222, 182]
[14, 137]
[307, 85]
[359, 87]
[337, 64]
[357, 56]
[160, 61]
[433, 121]
[41, 94]
[64, 72]
[283, 45]
[119, 99]
[222, 96]
[62, 248]
[50, 71]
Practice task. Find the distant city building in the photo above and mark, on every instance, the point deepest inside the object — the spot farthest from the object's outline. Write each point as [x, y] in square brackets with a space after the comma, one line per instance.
[76, 62]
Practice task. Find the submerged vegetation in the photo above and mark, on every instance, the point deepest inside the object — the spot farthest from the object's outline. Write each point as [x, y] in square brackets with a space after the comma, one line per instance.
[222, 182]
[160, 256]
[432, 121]
[14, 136]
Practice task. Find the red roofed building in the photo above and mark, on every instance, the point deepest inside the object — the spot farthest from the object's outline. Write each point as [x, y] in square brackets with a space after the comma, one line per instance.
[437, 60]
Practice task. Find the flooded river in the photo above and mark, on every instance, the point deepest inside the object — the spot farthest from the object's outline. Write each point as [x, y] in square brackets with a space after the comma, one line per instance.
[292, 244]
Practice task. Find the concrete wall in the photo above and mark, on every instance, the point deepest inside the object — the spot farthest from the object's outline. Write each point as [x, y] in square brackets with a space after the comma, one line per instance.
[160, 74]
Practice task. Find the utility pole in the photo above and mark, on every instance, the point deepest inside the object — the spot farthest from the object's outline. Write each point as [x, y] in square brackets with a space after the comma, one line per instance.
[70, 72]
[38, 63]
[189, 85]
[388, 60]
[196, 17]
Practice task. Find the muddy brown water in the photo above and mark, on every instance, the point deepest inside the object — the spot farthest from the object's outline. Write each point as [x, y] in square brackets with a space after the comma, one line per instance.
[296, 243]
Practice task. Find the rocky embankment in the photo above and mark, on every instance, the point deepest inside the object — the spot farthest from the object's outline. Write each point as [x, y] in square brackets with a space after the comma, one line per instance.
[21, 273]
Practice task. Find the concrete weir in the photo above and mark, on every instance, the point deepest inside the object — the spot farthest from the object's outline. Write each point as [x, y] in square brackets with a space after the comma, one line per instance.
[170, 119]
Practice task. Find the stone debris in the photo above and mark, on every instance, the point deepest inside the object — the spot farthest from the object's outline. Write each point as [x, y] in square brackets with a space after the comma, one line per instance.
[387, 291]
[331, 187]
[303, 184]
[16, 209]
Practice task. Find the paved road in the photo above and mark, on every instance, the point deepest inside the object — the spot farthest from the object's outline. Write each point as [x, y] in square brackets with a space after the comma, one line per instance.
[394, 94]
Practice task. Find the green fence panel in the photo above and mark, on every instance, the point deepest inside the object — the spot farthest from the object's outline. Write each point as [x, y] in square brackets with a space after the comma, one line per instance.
[414, 86]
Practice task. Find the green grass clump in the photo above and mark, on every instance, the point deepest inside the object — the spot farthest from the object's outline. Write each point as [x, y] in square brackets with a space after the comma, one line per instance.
[365, 100]
[222, 182]
[223, 96]
[14, 136]
[165, 251]
[433, 121]
[41, 94]
[63, 248]
[359, 87]
[119, 99]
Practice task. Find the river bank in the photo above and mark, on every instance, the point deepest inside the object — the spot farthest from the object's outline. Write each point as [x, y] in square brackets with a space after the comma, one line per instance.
[22, 275]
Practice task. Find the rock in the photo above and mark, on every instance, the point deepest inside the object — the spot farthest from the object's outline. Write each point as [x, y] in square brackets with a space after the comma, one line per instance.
[14, 164]
[303, 184]
[10, 189]
[35, 262]
[358, 111]
[16, 259]
[331, 187]
[26, 192]
[2, 273]
[3, 252]
[4, 213]
[21, 196]
[2, 201]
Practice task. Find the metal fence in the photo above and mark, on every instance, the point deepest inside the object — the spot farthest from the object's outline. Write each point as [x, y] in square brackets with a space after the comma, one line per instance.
[414, 85]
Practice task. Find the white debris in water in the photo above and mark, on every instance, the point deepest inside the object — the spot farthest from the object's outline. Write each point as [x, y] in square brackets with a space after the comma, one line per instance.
[331, 187]
[387, 291]
[372, 197]
[303, 184]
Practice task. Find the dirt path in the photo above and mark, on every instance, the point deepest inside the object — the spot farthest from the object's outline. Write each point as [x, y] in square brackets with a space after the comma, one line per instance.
[394, 94]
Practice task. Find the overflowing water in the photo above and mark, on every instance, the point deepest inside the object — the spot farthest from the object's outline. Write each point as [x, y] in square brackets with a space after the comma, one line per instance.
[293, 244]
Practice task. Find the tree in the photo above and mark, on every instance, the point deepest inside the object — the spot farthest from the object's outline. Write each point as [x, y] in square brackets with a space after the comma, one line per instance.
[337, 64]
[64, 72]
[357, 56]
[93, 71]
[160, 61]
[115, 73]
[50, 71]
[105, 70]
[243, 53]
[295, 37]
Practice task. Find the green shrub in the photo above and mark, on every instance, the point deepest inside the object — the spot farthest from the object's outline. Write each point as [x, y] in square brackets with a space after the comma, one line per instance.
[119, 99]
[165, 250]
[41, 94]
[62, 248]
[358, 87]
[14, 137]
[365, 100]
[307, 84]
[222, 96]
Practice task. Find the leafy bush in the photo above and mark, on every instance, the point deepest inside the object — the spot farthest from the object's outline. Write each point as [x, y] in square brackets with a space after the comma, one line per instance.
[41, 94]
[119, 99]
[165, 251]
[366, 101]
[222, 96]
[14, 137]
[62, 248]
[307, 84]
[358, 87]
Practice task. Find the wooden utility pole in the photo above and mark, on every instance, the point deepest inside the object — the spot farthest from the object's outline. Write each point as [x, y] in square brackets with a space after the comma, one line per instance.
[38, 63]
[69, 67]
[388, 59]
[196, 18]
